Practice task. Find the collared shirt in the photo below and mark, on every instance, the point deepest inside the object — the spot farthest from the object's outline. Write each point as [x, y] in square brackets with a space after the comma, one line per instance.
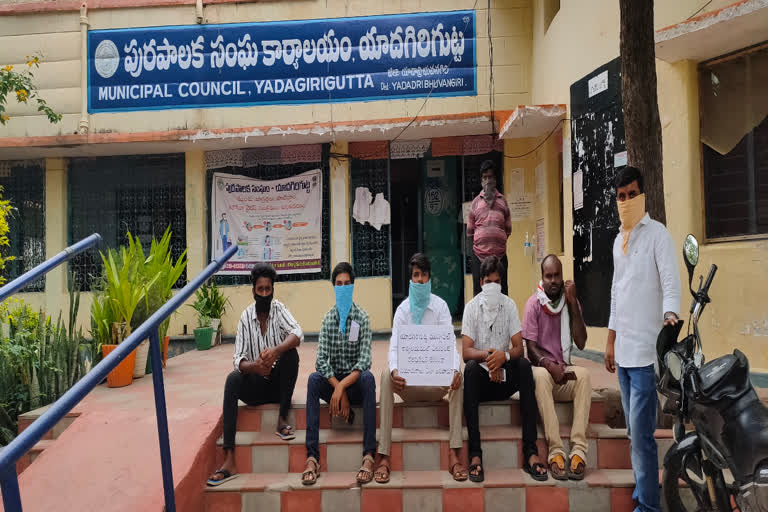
[250, 342]
[437, 313]
[496, 336]
[646, 284]
[543, 328]
[489, 226]
[336, 353]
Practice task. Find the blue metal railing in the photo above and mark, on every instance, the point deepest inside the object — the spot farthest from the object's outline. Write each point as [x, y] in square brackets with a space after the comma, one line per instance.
[149, 329]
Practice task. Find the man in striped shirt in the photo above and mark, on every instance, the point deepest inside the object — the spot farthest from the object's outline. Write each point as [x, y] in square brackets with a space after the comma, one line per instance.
[266, 364]
[489, 226]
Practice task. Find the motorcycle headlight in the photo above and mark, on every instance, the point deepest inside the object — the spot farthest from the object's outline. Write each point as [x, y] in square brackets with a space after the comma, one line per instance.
[674, 364]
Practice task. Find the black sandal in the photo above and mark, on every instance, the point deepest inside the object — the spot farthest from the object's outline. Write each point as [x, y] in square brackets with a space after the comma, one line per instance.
[534, 471]
[480, 476]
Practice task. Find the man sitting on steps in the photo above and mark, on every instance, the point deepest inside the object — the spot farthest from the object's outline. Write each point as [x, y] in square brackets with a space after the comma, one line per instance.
[266, 364]
[551, 324]
[420, 308]
[343, 375]
[493, 370]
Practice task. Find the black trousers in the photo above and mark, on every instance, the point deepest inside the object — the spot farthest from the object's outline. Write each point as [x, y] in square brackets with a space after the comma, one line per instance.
[254, 389]
[479, 388]
[476, 274]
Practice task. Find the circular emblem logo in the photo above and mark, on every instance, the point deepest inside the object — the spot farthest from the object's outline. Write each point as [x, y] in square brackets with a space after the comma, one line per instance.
[434, 200]
[106, 58]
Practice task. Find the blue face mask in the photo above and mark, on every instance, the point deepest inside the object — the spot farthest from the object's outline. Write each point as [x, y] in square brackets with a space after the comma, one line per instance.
[418, 298]
[343, 304]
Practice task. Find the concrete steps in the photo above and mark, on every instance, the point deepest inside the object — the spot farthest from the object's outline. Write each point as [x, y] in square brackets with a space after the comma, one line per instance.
[270, 468]
[424, 491]
[25, 420]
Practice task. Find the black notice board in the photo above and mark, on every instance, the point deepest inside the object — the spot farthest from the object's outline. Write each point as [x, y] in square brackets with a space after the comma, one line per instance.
[597, 136]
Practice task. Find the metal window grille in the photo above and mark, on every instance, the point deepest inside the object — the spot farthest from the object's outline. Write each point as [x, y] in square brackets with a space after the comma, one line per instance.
[276, 172]
[370, 247]
[24, 186]
[113, 195]
[472, 187]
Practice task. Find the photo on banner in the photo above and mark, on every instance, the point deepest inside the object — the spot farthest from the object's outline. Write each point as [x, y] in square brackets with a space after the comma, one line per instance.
[277, 222]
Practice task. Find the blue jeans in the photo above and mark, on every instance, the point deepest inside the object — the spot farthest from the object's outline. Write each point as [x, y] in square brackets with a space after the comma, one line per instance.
[638, 396]
[363, 391]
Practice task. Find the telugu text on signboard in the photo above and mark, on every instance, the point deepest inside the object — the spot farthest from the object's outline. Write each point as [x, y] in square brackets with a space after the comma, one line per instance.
[425, 354]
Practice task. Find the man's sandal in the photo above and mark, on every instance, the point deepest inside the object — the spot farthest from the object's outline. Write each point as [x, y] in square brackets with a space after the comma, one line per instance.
[286, 433]
[480, 476]
[459, 475]
[226, 476]
[365, 475]
[313, 473]
[557, 468]
[577, 468]
[382, 474]
[535, 471]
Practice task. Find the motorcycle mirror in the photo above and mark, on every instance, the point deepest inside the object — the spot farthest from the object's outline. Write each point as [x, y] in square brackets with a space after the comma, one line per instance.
[674, 365]
[691, 255]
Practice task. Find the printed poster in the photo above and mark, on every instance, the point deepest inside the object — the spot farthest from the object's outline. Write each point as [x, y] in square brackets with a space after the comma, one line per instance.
[277, 221]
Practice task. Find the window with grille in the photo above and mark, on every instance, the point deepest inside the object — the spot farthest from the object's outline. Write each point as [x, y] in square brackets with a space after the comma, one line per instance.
[734, 133]
[24, 186]
[370, 246]
[113, 195]
[276, 172]
[472, 187]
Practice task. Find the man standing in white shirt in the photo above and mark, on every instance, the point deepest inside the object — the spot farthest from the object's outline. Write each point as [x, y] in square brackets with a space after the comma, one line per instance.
[421, 307]
[645, 295]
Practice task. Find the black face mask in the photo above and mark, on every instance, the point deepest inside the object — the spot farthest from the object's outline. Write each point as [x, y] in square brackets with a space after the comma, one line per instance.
[263, 304]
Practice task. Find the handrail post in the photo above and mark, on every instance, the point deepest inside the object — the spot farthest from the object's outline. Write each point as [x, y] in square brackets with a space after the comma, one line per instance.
[9, 483]
[162, 420]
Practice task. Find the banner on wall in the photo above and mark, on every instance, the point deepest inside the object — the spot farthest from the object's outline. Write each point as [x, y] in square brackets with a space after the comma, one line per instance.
[287, 62]
[276, 221]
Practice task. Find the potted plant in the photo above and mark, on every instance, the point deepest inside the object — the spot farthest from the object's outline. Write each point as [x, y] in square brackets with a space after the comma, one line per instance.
[160, 273]
[212, 303]
[121, 295]
[203, 333]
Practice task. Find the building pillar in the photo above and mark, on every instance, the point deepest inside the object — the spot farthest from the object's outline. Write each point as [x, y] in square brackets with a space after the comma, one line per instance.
[56, 238]
[340, 229]
[197, 209]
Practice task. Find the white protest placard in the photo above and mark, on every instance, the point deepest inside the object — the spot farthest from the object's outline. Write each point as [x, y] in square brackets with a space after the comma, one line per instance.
[425, 354]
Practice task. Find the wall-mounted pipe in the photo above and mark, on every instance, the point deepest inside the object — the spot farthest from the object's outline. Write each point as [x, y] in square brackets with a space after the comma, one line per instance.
[199, 11]
[84, 119]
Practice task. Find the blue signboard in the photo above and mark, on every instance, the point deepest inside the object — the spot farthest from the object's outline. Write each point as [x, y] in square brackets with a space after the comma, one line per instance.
[290, 62]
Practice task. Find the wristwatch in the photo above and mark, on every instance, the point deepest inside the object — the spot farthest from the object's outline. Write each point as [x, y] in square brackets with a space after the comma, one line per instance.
[507, 355]
[669, 315]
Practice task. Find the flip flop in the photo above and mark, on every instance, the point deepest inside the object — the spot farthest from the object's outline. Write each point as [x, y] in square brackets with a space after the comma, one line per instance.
[480, 476]
[578, 473]
[558, 471]
[227, 477]
[534, 471]
[286, 433]
[459, 476]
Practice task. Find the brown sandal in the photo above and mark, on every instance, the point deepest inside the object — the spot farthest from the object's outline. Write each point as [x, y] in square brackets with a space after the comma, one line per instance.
[365, 475]
[557, 468]
[461, 475]
[382, 474]
[314, 473]
[576, 472]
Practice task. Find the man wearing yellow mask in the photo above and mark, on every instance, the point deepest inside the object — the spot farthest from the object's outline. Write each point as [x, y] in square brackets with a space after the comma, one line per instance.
[645, 295]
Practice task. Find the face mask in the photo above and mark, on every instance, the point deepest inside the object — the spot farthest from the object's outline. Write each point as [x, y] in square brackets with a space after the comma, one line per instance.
[492, 294]
[418, 298]
[343, 304]
[631, 212]
[263, 304]
[489, 188]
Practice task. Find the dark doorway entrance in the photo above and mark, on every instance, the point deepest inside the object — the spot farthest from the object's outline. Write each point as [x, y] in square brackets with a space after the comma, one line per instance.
[406, 211]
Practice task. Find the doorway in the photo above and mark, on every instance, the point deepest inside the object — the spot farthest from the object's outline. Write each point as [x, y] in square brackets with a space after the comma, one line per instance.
[406, 219]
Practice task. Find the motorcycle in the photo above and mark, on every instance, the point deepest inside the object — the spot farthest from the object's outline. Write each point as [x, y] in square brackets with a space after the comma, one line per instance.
[724, 458]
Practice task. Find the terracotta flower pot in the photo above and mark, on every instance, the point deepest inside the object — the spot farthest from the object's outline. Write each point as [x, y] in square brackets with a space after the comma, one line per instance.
[166, 340]
[122, 375]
